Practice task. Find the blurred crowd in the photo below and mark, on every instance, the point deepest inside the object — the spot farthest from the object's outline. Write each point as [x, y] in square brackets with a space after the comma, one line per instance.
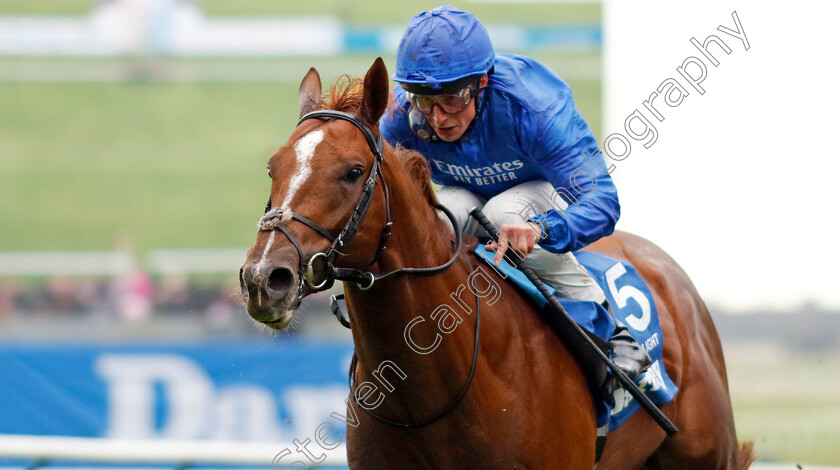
[132, 298]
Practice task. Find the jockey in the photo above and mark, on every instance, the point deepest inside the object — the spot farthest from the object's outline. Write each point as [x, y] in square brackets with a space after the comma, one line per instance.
[501, 132]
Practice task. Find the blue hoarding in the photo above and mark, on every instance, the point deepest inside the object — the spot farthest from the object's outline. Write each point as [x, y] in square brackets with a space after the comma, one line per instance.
[257, 390]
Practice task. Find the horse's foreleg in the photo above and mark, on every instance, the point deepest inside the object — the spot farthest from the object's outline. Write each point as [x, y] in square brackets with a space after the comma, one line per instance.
[706, 439]
[631, 445]
[707, 433]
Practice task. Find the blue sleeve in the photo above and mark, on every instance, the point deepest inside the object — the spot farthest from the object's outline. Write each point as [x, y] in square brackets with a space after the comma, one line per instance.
[394, 123]
[573, 164]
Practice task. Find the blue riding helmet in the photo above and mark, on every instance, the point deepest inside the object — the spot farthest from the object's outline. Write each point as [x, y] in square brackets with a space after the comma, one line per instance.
[441, 49]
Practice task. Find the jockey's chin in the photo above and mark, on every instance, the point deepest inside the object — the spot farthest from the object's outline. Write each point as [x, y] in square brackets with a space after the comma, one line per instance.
[449, 134]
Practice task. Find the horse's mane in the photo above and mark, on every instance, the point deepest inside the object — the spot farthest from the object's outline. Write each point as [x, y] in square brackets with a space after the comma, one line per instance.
[418, 168]
[346, 95]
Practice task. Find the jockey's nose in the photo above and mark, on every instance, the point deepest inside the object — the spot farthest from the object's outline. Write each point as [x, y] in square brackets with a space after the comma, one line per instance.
[279, 282]
[438, 116]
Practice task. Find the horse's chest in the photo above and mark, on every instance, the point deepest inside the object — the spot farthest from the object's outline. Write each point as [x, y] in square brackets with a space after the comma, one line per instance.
[451, 448]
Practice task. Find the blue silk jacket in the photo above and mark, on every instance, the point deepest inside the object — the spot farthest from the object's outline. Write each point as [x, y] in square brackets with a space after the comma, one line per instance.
[529, 129]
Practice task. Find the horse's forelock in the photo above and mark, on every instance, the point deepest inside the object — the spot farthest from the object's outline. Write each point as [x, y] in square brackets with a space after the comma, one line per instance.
[345, 94]
[419, 171]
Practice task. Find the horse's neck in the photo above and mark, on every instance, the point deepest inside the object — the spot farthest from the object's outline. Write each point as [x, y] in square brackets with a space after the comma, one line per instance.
[381, 315]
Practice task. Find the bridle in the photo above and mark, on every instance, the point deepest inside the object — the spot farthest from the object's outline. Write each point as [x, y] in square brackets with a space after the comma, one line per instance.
[277, 218]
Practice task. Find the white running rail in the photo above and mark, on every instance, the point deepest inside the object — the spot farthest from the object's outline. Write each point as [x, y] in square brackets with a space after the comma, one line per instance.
[198, 452]
[160, 451]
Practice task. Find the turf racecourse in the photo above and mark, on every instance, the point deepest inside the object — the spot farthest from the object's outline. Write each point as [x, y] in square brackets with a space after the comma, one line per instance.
[154, 164]
[153, 153]
[353, 12]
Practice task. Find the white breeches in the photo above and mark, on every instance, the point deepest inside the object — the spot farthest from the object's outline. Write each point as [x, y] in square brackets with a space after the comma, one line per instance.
[514, 206]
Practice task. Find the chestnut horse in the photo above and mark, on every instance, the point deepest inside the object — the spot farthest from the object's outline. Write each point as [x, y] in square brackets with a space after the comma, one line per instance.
[432, 391]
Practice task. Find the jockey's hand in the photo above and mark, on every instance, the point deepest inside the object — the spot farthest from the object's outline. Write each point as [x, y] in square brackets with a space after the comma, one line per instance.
[523, 237]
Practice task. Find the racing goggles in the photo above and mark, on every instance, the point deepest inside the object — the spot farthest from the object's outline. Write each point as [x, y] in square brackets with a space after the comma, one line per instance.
[452, 103]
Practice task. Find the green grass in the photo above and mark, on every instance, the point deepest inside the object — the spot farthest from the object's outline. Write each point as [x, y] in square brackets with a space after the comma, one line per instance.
[45, 7]
[376, 12]
[89, 166]
[166, 165]
[788, 405]
[355, 12]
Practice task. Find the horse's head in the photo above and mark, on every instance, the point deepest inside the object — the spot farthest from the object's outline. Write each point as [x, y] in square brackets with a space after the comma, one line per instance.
[324, 198]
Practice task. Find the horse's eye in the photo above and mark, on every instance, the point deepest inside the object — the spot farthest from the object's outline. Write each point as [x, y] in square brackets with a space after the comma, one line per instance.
[353, 175]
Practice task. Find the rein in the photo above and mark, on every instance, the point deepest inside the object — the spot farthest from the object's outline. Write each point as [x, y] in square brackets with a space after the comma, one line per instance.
[453, 403]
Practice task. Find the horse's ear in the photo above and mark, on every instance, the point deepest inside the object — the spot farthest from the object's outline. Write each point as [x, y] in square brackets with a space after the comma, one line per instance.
[310, 92]
[375, 99]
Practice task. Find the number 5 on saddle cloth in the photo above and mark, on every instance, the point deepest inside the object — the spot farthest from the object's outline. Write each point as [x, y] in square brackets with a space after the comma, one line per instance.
[631, 299]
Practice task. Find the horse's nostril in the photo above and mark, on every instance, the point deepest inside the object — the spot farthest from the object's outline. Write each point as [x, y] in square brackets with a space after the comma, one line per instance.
[280, 281]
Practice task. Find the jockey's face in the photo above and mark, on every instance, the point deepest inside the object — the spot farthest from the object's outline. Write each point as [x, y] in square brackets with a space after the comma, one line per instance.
[451, 127]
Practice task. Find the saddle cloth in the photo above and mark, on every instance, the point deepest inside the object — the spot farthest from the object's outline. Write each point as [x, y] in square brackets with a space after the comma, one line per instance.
[632, 304]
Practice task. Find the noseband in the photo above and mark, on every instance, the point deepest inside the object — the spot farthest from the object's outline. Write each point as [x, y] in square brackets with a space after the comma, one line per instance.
[277, 218]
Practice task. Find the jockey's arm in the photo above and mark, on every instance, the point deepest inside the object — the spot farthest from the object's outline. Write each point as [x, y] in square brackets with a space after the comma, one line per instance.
[575, 167]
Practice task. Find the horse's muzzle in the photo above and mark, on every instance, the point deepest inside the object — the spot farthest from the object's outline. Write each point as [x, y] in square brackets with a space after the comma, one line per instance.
[270, 293]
